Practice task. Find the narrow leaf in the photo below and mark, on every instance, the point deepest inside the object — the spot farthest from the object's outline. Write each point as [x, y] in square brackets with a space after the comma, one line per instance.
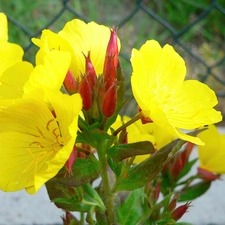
[194, 191]
[123, 151]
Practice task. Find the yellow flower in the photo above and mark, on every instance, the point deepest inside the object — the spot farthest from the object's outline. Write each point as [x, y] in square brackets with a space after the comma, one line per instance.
[212, 155]
[35, 142]
[9, 53]
[78, 38]
[48, 75]
[13, 71]
[164, 97]
[144, 132]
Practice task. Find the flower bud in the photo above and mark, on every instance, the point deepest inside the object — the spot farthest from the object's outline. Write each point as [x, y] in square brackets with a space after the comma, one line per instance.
[157, 190]
[71, 160]
[68, 218]
[109, 73]
[207, 175]
[90, 72]
[173, 203]
[112, 48]
[109, 101]
[178, 163]
[179, 212]
[70, 83]
[86, 93]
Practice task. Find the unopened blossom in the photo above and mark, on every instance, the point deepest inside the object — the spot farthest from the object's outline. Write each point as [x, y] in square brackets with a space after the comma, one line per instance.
[212, 155]
[36, 140]
[164, 97]
[77, 38]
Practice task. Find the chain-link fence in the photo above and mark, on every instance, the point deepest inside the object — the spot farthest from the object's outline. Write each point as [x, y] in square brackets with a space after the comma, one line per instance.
[194, 27]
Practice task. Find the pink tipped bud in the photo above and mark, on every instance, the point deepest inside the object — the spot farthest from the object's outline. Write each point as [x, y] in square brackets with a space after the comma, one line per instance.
[207, 175]
[90, 71]
[109, 101]
[173, 203]
[189, 147]
[86, 93]
[112, 48]
[71, 160]
[157, 190]
[179, 162]
[68, 218]
[179, 212]
[70, 83]
[109, 73]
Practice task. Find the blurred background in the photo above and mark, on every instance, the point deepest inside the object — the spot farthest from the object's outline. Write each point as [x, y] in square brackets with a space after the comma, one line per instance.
[194, 27]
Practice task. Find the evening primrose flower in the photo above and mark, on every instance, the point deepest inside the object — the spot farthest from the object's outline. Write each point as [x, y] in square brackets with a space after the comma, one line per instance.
[13, 71]
[165, 98]
[9, 53]
[35, 141]
[79, 39]
[212, 155]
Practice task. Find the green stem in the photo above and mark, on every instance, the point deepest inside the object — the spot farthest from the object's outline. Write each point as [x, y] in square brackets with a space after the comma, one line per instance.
[134, 119]
[121, 176]
[106, 186]
[82, 218]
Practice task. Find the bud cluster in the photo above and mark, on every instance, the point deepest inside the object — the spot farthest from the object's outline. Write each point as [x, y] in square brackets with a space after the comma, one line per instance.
[99, 93]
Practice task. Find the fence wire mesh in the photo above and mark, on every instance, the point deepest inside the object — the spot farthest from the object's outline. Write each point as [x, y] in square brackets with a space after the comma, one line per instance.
[195, 29]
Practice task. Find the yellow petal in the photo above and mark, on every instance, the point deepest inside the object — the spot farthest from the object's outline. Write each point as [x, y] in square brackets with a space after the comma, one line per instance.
[9, 55]
[3, 27]
[212, 155]
[191, 106]
[13, 80]
[33, 143]
[50, 75]
[50, 41]
[163, 96]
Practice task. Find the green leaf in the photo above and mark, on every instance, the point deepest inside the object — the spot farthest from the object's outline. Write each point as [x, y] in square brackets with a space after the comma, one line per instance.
[130, 212]
[194, 191]
[122, 151]
[144, 172]
[67, 198]
[91, 196]
[91, 136]
[83, 171]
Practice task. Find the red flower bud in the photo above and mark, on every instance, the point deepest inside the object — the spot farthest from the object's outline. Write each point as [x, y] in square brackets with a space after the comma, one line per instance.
[109, 73]
[68, 219]
[173, 203]
[109, 101]
[86, 93]
[157, 190]
[90, 71]
[70, 83]
[179, 212]
[71, 160]
[178, 163]
[112, 48]
[207, 175]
